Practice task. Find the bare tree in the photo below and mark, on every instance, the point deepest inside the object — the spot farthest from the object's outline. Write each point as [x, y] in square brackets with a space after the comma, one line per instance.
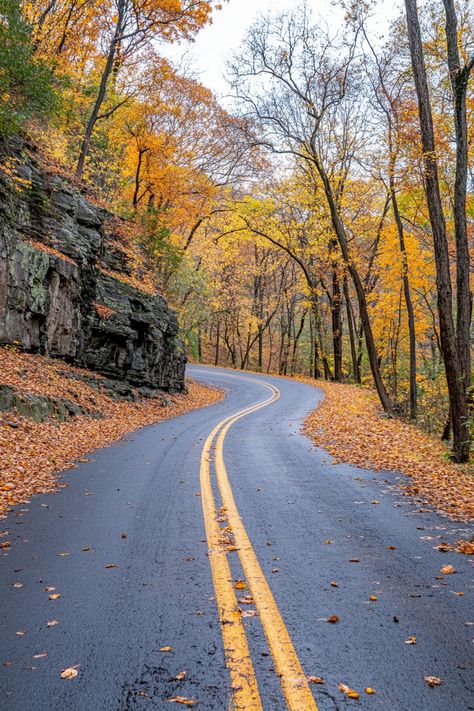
[293, 79]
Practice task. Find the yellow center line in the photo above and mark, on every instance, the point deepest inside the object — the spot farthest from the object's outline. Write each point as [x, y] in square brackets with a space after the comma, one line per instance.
[244, 689]
[292, 678]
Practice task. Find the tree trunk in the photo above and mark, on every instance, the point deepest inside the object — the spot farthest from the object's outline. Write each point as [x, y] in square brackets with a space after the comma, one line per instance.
[452, 360]
[350, 326]
[358, 285]
[109, 64]
[406, 287]
[218, 336]
[336, 314]
[459, 76]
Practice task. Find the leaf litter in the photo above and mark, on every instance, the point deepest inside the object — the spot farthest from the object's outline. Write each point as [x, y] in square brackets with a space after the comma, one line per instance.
[31, 453]
[350, 425]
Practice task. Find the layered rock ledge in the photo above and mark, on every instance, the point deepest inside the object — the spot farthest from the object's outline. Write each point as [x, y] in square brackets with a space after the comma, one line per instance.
[65, 287]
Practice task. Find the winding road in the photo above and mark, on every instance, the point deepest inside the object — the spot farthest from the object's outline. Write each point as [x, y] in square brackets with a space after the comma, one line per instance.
[161, 539]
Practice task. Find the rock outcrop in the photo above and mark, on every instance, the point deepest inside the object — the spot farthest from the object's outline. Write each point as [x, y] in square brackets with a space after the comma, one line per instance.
[65, 288]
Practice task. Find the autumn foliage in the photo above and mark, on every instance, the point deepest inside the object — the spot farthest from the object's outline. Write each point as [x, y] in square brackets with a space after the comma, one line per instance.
[31, 453]
[291, 226]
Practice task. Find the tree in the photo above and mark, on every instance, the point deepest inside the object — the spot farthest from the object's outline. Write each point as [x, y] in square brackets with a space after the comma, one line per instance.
[26, 83]
[309, 84]
[453, 345]
[131, 25]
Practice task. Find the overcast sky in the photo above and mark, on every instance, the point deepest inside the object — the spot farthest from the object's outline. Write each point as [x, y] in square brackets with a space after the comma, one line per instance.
[216, 42]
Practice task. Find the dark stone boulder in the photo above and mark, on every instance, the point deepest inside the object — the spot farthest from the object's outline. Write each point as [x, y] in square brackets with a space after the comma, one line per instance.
[58, 297]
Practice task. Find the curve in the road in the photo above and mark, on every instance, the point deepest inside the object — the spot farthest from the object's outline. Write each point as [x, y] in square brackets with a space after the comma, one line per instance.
[244, 688]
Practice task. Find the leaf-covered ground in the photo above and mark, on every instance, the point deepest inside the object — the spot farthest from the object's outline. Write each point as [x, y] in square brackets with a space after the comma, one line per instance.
[350, 425]
[31, 452]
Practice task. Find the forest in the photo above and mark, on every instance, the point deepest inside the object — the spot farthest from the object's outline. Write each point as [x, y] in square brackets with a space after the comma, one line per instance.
[317, 222]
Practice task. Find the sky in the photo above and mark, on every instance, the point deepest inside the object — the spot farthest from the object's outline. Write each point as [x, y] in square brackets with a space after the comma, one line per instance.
[215, 43]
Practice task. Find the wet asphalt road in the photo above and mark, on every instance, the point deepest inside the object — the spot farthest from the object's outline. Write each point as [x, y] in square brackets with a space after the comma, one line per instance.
[292, 500]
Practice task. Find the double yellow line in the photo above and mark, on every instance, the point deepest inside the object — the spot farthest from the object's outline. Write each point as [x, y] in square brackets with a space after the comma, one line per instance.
[244, 689]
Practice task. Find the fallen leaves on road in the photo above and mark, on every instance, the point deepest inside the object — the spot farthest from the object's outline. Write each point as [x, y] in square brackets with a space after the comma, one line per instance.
[52, 623]
[315, 680]
[32, 452]
[240, 585]
[433, 680]
[447, 569]
[69, 673]
[466, 547]
[350, 693]
[166, 649]
[54, 596]
[183, 700]
[411, 640]
[349, 424]
[246, 600]
[369, 690]
[180, 676]
[333, 619]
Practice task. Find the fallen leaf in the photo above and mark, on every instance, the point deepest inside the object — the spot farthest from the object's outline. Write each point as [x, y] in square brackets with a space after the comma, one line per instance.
[334, 584]
[18, 585]
[275, 570]
[327, 543]
[354, 560]
[110, 565]
[49, 588]
[411, 640]
[86, 549]
[433, 680]
[375, 502]
[166, 649]
[63, 555]
[315, 680]
[5, 544]
[183, 700]
[333, 619]
[249, 613]
[69, 673]
[40, 655]
[20, 633]
[180, 676]
[240, 585]
[369, 690]
[447, 570]
[54, 596]
[392, 548]
[246, 600]
[350, 693]
[52, 623]
[466, 547]
[373, 598]
[443, 547]
[123, 535]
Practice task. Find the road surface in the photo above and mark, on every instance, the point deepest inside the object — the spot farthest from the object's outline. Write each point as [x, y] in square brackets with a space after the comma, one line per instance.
[132, 547]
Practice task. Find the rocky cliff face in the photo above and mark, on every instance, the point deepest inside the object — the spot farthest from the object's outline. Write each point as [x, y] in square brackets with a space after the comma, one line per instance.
[65, 289]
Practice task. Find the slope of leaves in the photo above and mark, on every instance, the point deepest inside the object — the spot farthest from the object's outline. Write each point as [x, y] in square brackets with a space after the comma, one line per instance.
[31, 452]
[350, 425]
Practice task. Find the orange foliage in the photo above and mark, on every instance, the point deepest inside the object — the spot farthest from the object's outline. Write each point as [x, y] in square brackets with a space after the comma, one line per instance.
[31, 452]
[350, 425]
